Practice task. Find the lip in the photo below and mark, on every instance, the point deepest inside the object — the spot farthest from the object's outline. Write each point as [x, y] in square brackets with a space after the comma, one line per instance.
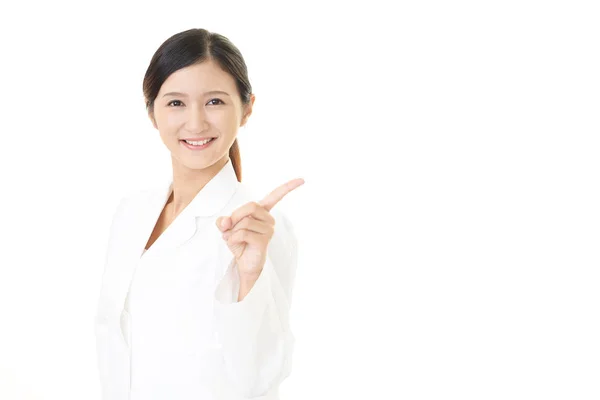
[192, 147]
[199, 139]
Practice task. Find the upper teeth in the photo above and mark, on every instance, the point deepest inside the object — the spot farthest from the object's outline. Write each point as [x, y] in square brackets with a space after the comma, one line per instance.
[199, 143]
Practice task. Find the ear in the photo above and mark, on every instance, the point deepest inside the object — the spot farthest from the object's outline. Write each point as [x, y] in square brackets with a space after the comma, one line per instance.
[151, 116]
[248, 110]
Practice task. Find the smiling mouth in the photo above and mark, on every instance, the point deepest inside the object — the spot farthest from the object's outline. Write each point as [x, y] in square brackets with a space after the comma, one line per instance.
[196, 146]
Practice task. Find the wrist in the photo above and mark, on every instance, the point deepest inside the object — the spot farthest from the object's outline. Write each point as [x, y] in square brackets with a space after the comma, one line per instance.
[248, 278]
[247, 281]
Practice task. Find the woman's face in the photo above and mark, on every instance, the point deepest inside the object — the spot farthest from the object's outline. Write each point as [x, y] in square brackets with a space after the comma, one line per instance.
[197, 102]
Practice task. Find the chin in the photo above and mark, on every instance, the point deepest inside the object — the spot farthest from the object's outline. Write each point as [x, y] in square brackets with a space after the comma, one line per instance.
[201, 162]
[198, 164]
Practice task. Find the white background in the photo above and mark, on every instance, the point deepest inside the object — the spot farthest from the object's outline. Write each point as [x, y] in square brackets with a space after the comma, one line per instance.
[449, 224]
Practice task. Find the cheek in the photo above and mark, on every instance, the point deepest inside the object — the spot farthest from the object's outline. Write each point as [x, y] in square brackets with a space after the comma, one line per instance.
[165, 120]
[168, 124]
[172, 120]
[225, 121]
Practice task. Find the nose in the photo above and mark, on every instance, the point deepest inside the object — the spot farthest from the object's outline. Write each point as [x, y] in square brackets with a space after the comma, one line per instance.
[197, 120]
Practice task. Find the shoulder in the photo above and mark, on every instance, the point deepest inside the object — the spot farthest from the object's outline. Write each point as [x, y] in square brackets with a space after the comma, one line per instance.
[135, 199]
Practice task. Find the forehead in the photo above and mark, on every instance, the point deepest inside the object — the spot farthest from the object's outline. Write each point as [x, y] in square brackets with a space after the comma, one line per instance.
[199, 78]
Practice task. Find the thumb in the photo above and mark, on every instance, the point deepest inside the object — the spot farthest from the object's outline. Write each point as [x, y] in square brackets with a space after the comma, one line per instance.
[222, 223]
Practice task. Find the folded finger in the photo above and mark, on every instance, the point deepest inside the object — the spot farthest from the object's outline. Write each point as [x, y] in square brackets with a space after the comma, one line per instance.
[246, 236]
[252, 224]
[254, 209]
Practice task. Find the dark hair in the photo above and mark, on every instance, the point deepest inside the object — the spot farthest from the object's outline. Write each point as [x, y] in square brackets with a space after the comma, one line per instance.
[194, 46]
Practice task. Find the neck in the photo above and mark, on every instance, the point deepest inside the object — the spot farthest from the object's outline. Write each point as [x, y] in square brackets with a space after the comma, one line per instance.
[187, 183]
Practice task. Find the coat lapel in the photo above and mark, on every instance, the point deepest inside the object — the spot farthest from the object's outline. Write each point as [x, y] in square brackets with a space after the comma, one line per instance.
[203, 209]
[142, 217]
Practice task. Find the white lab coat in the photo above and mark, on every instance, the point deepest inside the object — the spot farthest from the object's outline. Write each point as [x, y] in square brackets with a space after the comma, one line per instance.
[186, 336]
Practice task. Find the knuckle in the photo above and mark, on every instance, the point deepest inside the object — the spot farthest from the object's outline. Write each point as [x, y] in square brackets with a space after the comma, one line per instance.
[245, 223]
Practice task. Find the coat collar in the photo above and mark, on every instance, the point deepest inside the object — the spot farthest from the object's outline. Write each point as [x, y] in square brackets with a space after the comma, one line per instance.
[208, 203]
[213, 197]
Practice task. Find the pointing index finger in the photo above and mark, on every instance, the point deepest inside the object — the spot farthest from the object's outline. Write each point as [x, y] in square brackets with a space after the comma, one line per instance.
[276, 195]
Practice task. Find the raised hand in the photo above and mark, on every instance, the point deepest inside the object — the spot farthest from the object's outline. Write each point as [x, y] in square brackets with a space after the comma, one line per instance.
[250, 228]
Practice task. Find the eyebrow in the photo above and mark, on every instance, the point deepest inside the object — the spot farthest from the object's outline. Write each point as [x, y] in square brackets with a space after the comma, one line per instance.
[185, 95]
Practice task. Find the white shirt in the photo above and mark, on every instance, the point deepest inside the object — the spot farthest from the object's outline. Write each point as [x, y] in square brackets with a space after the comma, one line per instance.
[169, 326]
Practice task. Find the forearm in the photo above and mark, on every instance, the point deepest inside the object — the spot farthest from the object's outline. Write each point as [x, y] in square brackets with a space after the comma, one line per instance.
[246, 284]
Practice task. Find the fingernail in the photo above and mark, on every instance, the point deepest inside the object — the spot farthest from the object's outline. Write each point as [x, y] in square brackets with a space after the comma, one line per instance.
[223, 223]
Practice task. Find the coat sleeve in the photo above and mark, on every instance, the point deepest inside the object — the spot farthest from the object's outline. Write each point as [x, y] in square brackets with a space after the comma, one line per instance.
[101, 314]
[254, 333]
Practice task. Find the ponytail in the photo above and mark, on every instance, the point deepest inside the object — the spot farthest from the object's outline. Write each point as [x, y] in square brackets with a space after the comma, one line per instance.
[234, 156]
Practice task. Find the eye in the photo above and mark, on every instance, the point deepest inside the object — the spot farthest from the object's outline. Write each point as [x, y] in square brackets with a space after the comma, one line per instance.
[219, 101]
[174, 101]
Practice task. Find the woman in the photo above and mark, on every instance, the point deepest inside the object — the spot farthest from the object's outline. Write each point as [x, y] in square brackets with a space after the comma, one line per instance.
[198, 277]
